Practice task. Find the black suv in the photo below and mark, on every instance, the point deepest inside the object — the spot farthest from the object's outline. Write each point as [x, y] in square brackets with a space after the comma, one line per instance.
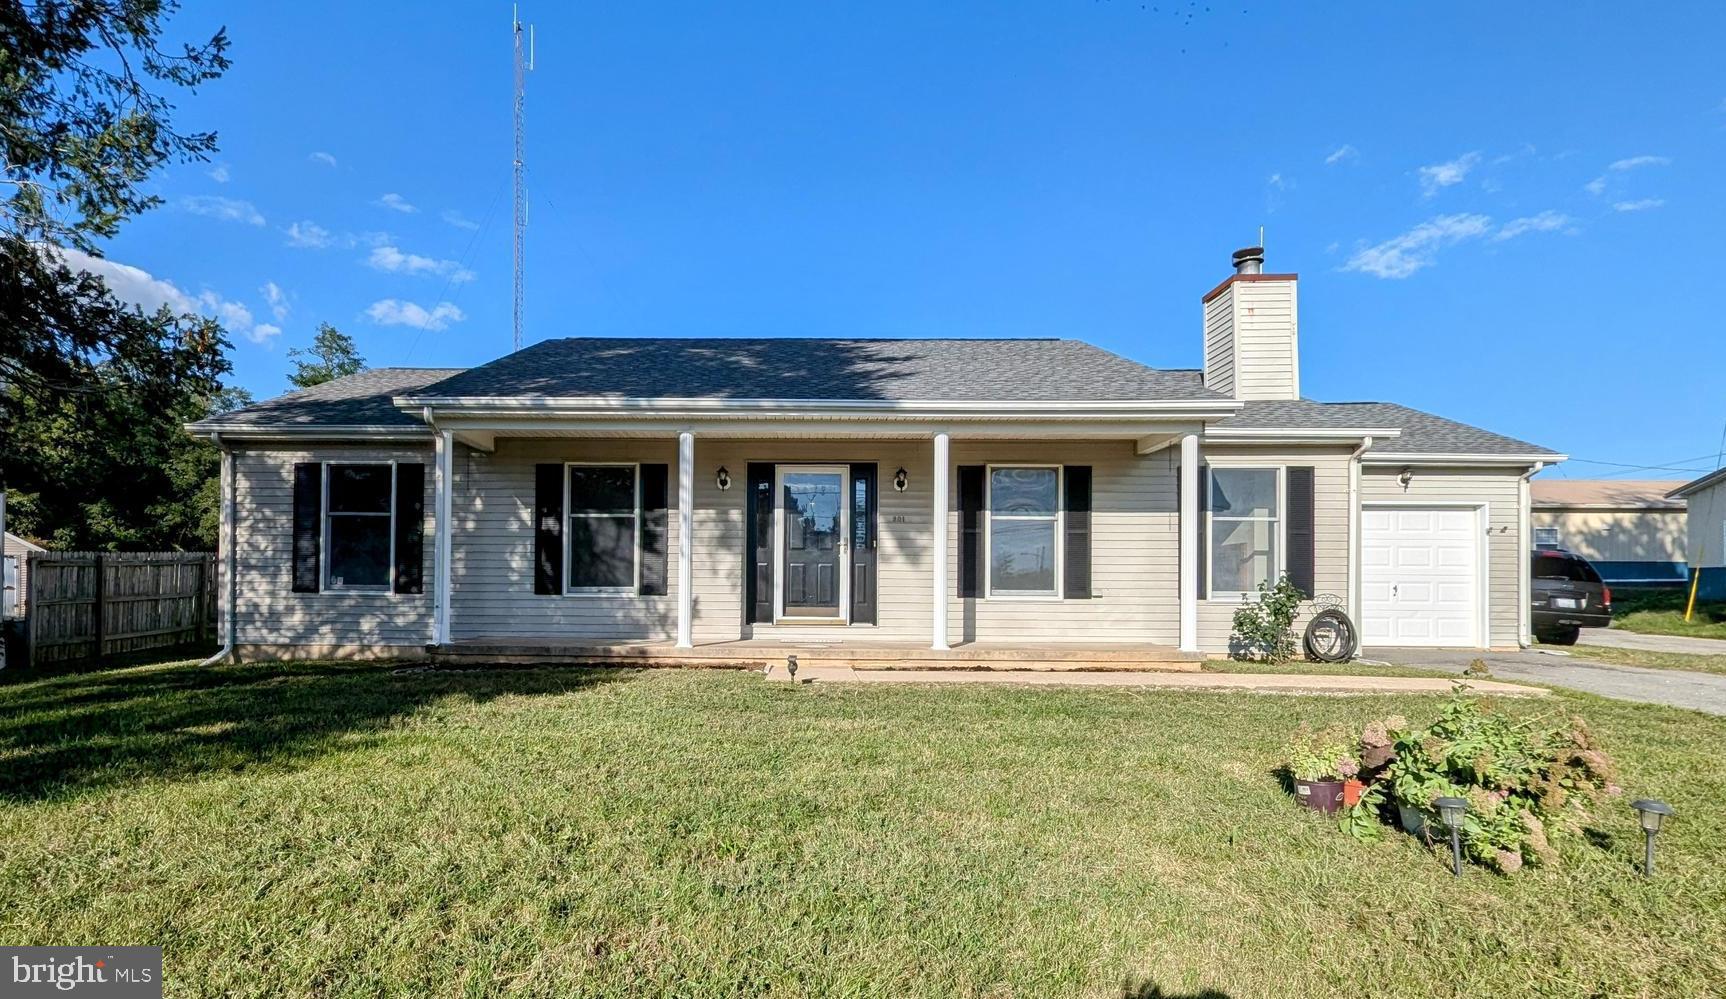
[1566, 594]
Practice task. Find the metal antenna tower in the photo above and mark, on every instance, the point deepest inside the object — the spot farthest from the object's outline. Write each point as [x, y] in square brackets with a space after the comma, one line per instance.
[523, 63]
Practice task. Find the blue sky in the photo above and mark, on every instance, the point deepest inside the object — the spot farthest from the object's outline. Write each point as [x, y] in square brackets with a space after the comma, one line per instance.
[1500, 215]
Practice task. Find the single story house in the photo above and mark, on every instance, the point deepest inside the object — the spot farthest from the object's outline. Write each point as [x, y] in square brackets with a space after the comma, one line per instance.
[1631, 531]
[1705, 499]
[925, 493]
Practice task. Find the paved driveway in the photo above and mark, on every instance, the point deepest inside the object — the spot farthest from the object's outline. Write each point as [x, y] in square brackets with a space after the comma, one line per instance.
[1616, 639]
[1678, 688]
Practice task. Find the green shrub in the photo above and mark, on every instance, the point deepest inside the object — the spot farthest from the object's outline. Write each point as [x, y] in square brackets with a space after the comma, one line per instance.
[1521, 779]
[1264, 629]
[1322, 755]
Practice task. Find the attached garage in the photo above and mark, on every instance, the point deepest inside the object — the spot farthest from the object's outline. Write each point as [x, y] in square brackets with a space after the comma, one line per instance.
[1423, 575]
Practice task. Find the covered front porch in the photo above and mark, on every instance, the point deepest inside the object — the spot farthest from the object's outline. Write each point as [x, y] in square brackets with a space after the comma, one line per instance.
[852, 653]
[712, 556]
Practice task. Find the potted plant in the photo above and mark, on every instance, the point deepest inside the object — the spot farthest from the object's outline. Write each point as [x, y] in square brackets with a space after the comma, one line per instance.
[1319, 765]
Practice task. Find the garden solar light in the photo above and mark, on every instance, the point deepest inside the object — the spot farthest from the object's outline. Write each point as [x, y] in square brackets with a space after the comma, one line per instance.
[1452, 811]
[791, 666]
[1654, 815]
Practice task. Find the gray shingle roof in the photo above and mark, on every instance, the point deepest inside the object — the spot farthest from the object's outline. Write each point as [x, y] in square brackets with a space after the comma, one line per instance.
[357, 400]
[797, 369]
[1422, 433]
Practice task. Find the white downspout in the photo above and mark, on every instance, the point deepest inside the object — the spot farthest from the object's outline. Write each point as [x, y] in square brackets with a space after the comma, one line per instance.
[1525, 513]
[225, 534]
[1353, 601]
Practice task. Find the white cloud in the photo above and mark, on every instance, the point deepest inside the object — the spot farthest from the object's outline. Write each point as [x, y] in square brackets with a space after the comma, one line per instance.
[1276, 182]
[226, 209]
[1633, 162]
[1640, 205]
[1547, 221]
[391, 259]
[1438, 176]
[396, 203]
[321, 157]
[219, 173]
[308, 236]
[393, 312]
[1343, 153]
[1401, 256]
[136, 286]
[459, 220]
[1597, 186]
[277, 298]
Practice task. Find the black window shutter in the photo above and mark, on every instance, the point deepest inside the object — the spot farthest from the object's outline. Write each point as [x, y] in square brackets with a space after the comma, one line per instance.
[548, 528]
[1198, 581]
[758, 548]
[655, 485]
[970, 531]
[410, 527]
[1204, 531]
[1300, 528]
[308, 525]
[1076, 582]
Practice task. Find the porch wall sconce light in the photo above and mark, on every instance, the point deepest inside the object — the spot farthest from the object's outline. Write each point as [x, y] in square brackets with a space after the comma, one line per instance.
[723, 478]
[1451, 810]
[1404, 477]
[901, 479]
[1654, 816]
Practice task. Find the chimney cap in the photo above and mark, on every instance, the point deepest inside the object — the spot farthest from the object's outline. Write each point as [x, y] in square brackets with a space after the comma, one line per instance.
[1250, 260]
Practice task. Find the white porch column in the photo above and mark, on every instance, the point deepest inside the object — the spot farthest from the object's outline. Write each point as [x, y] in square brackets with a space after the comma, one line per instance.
[443, 485]
[938, 514]
[1189, 531]
[685, 540]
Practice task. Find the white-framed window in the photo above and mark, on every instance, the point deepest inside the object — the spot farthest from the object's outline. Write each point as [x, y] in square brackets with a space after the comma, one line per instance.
[602, 540]
[1023, 530]
[359, 525]
[1245, 529]
[1546, 537]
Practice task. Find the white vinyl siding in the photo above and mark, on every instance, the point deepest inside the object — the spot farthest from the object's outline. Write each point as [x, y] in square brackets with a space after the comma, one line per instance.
[331, 622]
[1252, 340]
[1497, 488]
[1220, 343]
[1707, 527]
[1330, 528]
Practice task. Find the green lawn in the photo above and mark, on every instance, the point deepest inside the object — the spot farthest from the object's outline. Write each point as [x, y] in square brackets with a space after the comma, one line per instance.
[1652, 660]
[1661, 612]
[338, 830]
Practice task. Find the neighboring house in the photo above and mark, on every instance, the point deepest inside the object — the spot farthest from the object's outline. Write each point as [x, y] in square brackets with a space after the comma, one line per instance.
[16, 574]
[1630, 530]
[919, 492]
[1705, 500]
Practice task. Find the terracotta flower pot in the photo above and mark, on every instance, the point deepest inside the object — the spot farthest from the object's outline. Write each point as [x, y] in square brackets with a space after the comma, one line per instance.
[1319, 795]
[1351, 792]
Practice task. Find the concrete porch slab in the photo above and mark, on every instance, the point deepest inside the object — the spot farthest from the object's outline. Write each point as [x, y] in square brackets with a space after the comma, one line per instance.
[1279, 683]
[850, 654]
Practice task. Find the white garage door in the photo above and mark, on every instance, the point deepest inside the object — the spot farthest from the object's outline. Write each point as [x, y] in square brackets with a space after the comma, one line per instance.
[1420, 576]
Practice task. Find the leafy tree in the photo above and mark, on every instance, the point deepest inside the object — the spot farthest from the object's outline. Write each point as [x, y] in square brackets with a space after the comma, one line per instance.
[332, 355]
[92, 391]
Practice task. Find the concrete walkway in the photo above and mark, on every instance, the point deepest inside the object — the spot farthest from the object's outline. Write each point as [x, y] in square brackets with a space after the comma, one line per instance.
[1274, 683]
[1675, 688]
[1617, 639]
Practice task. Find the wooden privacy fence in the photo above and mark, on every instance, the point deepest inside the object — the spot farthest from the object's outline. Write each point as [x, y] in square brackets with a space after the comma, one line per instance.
[86, 605]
